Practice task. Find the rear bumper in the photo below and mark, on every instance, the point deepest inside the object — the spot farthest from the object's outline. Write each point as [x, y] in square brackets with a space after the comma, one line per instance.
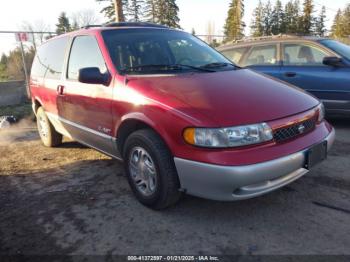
[229, 183]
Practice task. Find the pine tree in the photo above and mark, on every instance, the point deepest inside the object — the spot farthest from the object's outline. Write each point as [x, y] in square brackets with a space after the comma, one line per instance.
[277, 21]
[63, 25]
[307, 19]
[134, 10]
[291, 17]
[3, 67]
[193, 32]
[320, 27]
[172, 14]
[257, 25]
[109, 10]
[336, 27]
[167, 13]
[346, 21]
[3, 59]
[234, 25]
[151, 11]
[267, 21]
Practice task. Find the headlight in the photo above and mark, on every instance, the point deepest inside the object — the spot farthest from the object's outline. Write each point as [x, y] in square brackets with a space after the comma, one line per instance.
[321, 113]
[228, 137]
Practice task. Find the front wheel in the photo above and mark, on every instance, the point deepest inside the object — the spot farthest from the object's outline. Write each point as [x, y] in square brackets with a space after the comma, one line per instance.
[48, 134]
[151, 170]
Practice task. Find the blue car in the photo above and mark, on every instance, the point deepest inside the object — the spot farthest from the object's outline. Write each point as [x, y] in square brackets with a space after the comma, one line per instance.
[320, 66]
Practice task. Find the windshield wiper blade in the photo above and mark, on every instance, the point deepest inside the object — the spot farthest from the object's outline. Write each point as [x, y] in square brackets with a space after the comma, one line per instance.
[218, 65]
[140, 68]
[195, 68]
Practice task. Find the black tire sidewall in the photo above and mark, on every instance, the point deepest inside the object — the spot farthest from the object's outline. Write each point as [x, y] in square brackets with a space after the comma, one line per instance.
[138, 141]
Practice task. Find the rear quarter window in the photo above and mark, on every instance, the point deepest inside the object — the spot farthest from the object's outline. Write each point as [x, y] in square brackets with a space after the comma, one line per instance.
[49, 59]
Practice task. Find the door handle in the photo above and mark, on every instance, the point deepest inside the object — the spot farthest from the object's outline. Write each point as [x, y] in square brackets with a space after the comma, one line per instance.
[290, 74]
[60, 90]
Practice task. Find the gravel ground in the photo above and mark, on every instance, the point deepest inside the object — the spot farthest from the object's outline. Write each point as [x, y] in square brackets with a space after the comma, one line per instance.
[73, 200]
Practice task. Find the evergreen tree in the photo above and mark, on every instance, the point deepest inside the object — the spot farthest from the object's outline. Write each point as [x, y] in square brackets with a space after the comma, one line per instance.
[173, 19]
[346, 21]
[267, 19]
[307, 19]
[3, 59]
[277, 21]
[234, 25]
[63, 25]
[134, 10]
[320, 28]
[257, 25]
[109, 10]
[167, 13]
[193, 32]
[3, 63]
[336, 30]
[151, 11]
[291, 17]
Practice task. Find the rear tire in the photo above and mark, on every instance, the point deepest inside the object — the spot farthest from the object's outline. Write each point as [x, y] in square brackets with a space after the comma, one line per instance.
[151, 170]
[48, 134]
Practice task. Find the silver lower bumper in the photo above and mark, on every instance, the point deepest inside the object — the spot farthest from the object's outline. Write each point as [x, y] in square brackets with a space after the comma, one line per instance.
[229, 183]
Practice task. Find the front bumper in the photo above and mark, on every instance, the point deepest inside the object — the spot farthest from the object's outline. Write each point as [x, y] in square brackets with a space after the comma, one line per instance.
[229, 183]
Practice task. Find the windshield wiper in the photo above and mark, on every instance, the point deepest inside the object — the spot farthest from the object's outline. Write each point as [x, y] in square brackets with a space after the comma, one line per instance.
[165, 67]
[219, 65]
[196, 68]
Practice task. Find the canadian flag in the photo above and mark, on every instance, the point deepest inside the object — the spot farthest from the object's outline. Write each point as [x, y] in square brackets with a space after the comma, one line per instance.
[23, 37]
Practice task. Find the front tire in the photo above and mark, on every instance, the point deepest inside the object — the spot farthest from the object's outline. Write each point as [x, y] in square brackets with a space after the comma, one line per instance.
[151, 170]
[48, 134]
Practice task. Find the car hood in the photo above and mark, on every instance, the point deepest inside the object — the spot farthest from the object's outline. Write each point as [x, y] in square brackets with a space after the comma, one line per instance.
[226, 98]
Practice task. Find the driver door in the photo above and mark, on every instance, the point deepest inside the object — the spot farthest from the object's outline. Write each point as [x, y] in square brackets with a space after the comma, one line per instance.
[86, 108]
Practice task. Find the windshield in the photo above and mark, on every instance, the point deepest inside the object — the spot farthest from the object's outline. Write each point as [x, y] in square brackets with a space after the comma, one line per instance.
[339, 48]
[157, 50]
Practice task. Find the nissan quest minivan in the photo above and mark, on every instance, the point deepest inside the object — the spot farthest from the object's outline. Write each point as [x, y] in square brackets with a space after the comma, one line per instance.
[181, 117]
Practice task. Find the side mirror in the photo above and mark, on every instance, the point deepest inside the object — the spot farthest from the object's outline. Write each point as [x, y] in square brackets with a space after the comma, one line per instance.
[333, 61]
[92, 75]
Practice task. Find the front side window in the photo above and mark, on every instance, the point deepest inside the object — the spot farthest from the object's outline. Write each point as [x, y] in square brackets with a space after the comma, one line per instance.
[303, 55]
[49, 59]
[235, 55]
[158, 49]
[262, 55]
[85, 52]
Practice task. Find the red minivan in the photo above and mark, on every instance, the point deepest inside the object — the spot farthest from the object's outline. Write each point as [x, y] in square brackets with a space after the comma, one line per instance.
[181, 116]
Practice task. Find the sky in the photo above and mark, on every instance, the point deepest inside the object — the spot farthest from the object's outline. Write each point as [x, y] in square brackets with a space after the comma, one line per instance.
[193, 14]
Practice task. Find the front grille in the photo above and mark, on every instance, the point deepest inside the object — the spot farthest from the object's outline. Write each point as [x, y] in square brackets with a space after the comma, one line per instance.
[293, 131]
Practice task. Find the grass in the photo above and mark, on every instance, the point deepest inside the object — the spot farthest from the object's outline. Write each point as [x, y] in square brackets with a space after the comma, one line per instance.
[19, 111]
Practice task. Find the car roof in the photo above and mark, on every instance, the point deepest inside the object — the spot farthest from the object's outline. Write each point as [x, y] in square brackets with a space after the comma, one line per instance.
[111, 26]
[269, 39]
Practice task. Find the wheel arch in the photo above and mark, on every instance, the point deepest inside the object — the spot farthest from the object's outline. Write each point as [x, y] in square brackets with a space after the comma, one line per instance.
[36, 104]
[135, 122]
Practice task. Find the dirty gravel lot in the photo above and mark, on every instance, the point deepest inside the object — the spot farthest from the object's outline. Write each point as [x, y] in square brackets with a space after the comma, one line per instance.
[73, 200]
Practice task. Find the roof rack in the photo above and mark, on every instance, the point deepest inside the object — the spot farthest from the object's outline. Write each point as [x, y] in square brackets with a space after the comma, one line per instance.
[90, 26]
[261, 38]
[134, 24]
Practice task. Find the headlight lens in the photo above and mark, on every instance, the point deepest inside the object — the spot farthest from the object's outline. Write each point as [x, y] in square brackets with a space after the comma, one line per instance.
[228, 137]
[321, 113]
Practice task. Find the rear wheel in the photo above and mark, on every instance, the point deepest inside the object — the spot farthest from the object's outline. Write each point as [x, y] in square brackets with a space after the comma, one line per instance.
[151, 170]
[49, 136]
